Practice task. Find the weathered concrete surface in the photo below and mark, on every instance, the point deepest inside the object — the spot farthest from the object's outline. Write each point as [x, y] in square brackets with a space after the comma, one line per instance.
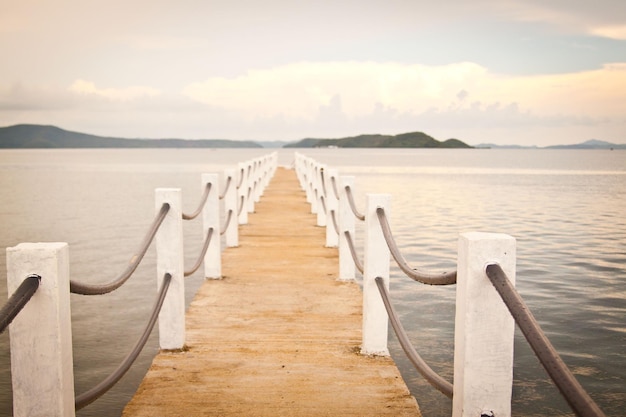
[279, 335]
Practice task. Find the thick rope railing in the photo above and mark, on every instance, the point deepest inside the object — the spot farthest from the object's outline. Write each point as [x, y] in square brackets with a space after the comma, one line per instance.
[203, 199]
[445, 278]
[96, 392]
[335, 189]
[431, 376]
[205, 246]
[227, 223]
[241, 177]
[99, 289]
[357, 214]
[241, 201]
[576, 396]
[18, 300]
[355, 258]
[228, 181]
[335, 224]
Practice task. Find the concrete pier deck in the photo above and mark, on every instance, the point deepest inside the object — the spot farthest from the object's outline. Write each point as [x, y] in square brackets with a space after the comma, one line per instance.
[279, 335]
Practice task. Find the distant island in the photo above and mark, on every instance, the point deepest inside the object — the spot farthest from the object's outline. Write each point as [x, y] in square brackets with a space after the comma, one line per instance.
[40, 136]
[404, 140]
[32, 136]
[589, 144]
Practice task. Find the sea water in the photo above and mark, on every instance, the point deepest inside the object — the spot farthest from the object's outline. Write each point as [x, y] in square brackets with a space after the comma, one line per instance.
[564, 207]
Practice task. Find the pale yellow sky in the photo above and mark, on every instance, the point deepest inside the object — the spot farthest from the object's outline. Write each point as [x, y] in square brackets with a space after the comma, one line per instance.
[527, 72]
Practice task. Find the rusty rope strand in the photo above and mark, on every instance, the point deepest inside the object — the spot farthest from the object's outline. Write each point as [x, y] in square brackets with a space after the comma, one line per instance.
[207, 241]
[18, 300]
[96, 392]
[99, 289]
[446, 278]
[357, 214]
[575, 395]
[241, 203]
[431, 376]
[355, 258]
[203, 199]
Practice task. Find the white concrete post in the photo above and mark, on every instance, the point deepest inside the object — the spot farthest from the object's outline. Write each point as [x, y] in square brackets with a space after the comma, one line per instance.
[332, 205]
[484, 328]
[211, 219]
[376, 264]
[41, 334]
[169, 249]
[347, 269]
[242, 194]
[230, 203]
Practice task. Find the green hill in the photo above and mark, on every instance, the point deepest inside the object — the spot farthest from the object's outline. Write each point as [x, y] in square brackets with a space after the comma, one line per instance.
[39, 136]
[404, 140]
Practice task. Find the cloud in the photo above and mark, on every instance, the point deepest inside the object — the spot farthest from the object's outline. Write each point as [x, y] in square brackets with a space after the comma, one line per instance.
[88, 88]
[574, 16]
[612, 31]
[298, 91]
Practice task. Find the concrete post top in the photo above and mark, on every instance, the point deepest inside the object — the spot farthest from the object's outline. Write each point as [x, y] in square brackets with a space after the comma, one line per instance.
[37, 246]
[473, 236]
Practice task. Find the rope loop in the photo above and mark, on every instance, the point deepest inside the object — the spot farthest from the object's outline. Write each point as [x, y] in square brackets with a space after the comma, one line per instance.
[99, 289]
[228, 181]
[357, 214]
[203, 199]
[355, 258]
[207, 241]
[446, 278]
[96, 392]
[422, 367]
[230, 215]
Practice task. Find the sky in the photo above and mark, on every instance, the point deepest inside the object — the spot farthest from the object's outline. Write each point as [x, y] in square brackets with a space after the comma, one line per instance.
[527, 72]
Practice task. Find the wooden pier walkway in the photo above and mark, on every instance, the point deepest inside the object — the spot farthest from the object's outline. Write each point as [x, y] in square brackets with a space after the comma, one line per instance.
[279, 335]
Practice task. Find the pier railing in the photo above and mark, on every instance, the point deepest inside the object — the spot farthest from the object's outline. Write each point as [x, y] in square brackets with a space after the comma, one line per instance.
[38, 280]
[487, 304]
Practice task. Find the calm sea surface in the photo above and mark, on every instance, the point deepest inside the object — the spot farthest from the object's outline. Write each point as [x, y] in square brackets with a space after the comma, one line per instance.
[565, 208]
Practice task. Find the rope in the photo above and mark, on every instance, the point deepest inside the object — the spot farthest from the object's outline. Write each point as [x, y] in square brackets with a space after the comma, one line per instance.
[207, 241]
[99, 289]
[576, 396]
[96, 392]
[18, 300]
[323, 201]
[242, 199]
[353, 205]
[203, 199]
[228, 181]
[322, 181]
[446, 278]
[230, 214]
[334, 183]
[241, 178]
[332, 214]
[355, 258]
[422, 367]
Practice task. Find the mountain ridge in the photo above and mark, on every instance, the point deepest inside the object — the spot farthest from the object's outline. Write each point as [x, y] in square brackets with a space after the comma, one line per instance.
[31, 136]
[403, 140]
